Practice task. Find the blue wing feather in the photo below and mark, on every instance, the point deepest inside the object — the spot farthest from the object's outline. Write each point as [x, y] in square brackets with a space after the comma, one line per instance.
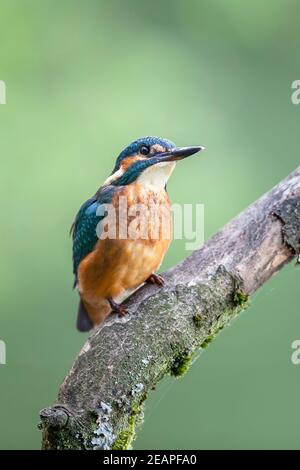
[85, 225]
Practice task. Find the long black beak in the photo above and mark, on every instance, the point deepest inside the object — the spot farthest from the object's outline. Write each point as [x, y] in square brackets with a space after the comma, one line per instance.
[178, 153]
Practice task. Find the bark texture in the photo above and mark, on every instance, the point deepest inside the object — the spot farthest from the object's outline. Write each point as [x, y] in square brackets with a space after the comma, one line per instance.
[101, 399]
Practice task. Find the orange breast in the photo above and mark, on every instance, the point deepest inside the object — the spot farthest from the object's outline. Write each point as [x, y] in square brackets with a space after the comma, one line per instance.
[117, 265]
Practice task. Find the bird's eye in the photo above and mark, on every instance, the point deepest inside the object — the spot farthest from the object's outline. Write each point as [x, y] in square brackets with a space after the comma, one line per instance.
[144, 150]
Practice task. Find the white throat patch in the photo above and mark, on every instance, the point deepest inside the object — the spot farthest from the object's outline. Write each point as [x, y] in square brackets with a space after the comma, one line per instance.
[157, 175]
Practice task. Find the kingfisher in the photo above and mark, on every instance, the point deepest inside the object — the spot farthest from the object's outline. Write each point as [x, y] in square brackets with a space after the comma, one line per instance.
[109, 265]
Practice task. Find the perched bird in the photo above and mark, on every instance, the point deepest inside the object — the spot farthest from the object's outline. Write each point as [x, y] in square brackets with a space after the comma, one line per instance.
[108, 268]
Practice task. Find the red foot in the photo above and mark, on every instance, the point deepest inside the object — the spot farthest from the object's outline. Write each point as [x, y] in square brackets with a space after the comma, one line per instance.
[155, 279]
[116, 308]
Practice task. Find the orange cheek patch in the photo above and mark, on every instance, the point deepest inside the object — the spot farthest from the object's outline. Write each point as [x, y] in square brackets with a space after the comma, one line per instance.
[127, 162]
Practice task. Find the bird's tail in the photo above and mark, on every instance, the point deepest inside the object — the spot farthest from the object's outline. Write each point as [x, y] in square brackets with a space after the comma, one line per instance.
[89, 316]
[83, 320]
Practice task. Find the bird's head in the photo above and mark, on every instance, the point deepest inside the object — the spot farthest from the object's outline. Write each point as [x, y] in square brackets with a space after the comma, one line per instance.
[148, 160]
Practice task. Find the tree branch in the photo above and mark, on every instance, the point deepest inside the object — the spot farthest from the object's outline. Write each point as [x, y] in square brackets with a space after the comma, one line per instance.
[101, 398]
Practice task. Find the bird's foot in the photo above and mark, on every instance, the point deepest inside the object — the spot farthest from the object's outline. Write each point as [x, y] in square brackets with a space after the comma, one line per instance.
[156, 279]
[117, 308]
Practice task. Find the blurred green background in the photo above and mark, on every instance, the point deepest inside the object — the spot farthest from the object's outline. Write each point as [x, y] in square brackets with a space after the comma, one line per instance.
[83, 80]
